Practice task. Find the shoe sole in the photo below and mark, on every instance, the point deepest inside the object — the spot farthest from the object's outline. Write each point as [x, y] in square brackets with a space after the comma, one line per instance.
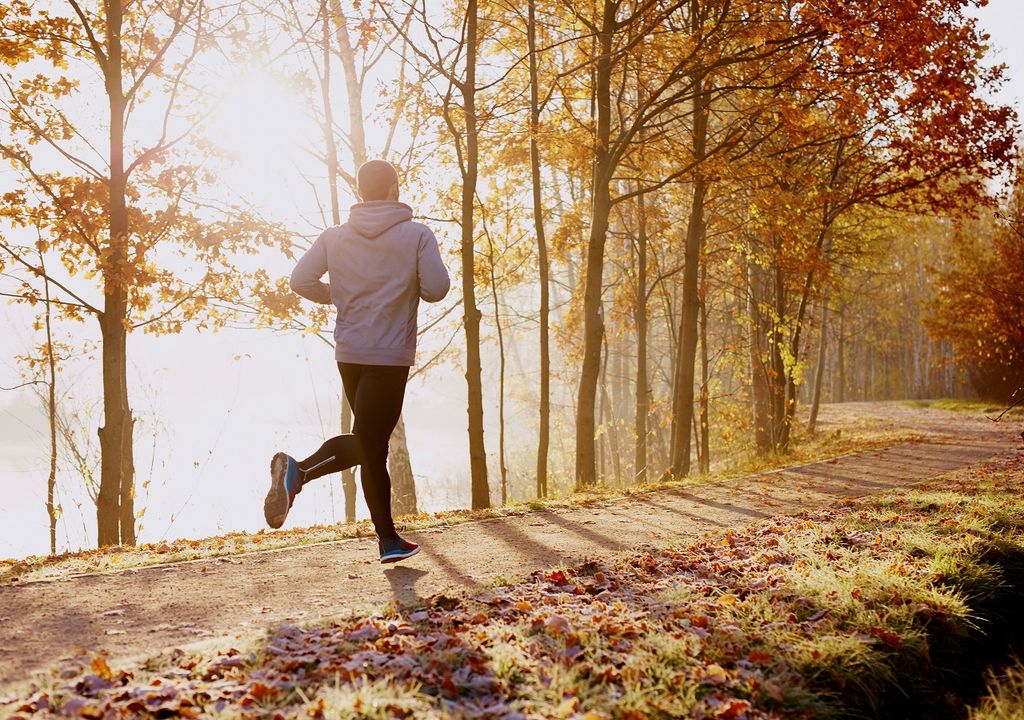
[396, 558]
[275, 506]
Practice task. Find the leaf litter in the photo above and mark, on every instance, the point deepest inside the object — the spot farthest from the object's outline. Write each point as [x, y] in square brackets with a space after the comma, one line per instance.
[753, 623]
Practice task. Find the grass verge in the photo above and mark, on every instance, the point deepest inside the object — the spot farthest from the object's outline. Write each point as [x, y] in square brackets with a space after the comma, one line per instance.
[976, 407]
[888, 607]
[854, 437]
[1004, 698]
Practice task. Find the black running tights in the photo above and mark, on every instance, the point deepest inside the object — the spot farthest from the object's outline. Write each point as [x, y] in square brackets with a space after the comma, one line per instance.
[375, 393]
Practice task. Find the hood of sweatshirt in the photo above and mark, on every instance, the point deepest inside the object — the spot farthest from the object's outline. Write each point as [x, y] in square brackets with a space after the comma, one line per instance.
[370, 219]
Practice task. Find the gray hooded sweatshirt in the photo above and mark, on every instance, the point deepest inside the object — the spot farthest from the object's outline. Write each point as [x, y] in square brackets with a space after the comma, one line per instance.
[380, 265]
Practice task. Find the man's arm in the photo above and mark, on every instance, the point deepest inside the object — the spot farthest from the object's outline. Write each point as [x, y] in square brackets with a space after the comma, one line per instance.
[306, 276]
[433, 276]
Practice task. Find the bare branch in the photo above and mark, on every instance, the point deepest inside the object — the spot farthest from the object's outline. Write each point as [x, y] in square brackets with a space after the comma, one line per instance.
[38, 272]
[24, 384]
[101, 58]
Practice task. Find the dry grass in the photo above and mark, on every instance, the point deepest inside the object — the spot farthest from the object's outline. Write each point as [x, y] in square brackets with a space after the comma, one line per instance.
[976, 407]
[1005, 697]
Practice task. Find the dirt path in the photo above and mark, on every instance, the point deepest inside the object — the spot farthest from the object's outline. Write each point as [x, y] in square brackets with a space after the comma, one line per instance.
[141, 612]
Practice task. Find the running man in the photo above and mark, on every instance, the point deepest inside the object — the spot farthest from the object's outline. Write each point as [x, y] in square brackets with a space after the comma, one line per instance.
[380, 265]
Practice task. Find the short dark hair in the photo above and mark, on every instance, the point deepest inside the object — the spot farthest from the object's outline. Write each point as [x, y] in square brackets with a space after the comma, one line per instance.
[374, 179]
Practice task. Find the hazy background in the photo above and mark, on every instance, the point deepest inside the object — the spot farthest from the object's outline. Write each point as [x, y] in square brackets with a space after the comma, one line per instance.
[213, 407]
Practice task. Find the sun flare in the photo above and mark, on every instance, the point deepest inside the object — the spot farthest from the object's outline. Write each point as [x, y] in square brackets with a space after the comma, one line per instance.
[260, 121]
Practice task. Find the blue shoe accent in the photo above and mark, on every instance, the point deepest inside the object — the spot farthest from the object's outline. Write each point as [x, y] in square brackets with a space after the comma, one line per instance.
[291, 479]
[284, 486]
[395, 549]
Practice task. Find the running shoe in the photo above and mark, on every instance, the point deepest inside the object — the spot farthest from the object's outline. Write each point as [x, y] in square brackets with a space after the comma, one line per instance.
[395, 549]
[284, 486]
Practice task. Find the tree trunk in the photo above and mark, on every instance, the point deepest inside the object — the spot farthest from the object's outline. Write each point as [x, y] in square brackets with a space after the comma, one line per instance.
[640, 320]
[593, 323]
[609, 419]
[115, 513]
[403, 482]
[348, 477]
[796, 351]
[696, 434]
[662, 432]
[114, 504]
[621, 406]
[886, 374]
[602, 420]
[777, 373]
[543, 434]
[869, 372]
[501, 373]
[758, 369]
[51, 409]
[705, 430]
[481, 494]
[927, 390]
[353, 88]
[840, 395]
[682, 406]
[819, 373]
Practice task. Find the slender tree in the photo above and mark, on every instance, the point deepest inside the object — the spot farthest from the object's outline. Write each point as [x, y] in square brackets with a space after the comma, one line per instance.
[455, 63]
[543, 262]
[105, 210]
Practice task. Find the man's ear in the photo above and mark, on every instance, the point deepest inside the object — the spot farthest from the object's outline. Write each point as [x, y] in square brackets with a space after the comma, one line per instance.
[393, 192]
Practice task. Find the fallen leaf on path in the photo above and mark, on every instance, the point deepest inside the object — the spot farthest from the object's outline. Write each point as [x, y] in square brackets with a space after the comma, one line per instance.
[100, 668]
[714, 674]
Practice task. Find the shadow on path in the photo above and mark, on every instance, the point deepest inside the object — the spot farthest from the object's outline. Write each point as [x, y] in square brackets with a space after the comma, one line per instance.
[403, 579]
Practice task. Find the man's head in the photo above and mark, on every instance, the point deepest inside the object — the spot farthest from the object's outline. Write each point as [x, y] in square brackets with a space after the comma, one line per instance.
[377, 180]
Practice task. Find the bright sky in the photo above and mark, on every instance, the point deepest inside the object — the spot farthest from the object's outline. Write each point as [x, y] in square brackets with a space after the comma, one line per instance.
[220, 404]
[1003, 20]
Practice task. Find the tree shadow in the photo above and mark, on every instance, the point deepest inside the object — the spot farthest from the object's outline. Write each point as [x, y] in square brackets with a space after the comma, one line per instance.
[588, 534]
[436, 551]
[830, 480]
[726, 507]
[403, 581]
[682, 513]
[537, 552]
